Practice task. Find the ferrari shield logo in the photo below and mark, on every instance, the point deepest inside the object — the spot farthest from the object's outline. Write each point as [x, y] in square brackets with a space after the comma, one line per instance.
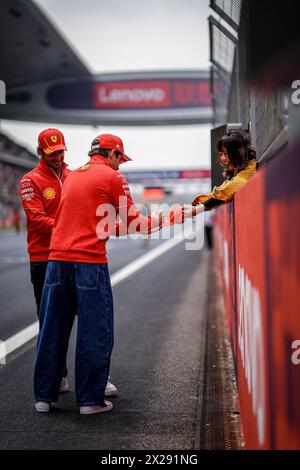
[54, 139]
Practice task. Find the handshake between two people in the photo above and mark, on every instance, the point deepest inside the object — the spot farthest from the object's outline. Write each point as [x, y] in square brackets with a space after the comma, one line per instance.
[131, 221]
[177, 215]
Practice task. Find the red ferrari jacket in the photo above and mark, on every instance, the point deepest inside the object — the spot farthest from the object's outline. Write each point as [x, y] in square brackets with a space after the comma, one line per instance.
[92, 198]
[40, 191]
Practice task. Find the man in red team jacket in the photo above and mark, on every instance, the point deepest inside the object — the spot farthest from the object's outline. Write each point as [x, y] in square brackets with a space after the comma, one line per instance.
[77, 274]
[40, 191]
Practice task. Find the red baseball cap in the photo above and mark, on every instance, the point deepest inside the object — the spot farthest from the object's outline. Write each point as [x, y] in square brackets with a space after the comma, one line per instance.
[51, 140]
[110, 142]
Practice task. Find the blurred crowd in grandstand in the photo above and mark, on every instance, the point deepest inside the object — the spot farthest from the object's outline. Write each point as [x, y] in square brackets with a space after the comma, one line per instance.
[11, 213]
[14, 149]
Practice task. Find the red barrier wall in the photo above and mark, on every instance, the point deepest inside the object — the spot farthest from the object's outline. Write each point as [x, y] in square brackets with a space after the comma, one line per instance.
[258, 247]
[224, 243]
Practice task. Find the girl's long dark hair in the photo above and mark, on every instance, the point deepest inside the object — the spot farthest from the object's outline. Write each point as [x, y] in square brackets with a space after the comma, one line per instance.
[237, 144]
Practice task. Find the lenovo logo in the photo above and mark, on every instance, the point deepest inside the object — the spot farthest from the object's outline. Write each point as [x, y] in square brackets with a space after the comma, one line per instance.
[132, 95]
[137, 95]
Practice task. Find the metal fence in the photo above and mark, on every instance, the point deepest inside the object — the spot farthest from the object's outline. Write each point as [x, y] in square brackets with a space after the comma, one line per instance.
[261, 111]
[222, 47]
[229, 10]
[269, 116]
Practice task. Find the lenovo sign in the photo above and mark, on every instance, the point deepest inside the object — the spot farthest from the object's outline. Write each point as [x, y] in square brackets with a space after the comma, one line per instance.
[138, 99]
[152, 94]
[147, 94]
[131, 95]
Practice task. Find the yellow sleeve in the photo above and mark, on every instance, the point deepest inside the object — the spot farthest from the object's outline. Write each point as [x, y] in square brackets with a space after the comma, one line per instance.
[226, 191]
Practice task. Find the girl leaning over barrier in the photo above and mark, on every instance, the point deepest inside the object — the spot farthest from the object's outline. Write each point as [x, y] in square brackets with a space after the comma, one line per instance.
[238, 158]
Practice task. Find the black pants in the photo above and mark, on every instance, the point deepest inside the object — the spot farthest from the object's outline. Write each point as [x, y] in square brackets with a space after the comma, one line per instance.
[38, 274]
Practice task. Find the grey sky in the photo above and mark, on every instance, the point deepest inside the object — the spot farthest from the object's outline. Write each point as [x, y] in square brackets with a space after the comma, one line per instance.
[129, 35]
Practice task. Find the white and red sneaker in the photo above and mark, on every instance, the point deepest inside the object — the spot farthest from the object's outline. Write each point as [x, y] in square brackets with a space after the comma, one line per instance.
[90, 410]
[111, 390]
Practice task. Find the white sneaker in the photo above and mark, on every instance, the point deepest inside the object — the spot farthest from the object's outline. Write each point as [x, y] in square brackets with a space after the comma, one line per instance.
[111, 390]
[42, 406]
[64, 385]
[90, 410]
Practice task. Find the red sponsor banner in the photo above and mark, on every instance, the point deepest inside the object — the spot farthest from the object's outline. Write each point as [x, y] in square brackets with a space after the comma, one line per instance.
[284, 280]
[240, 249]
[153, 193]
[283, 275]
[151, 94]
[195, 174]
[192, 93]
[264, 319]
[133, 94]
[225, 251]
[251, 313]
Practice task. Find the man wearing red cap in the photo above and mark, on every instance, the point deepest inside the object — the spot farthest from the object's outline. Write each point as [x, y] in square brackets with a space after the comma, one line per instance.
[77, 274]
[40, 191]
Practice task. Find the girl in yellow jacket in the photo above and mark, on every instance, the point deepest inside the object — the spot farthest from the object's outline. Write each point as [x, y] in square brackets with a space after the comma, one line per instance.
[238, 158]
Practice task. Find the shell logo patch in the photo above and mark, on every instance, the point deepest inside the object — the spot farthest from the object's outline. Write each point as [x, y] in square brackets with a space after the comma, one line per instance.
[54, 139]
[49, 193]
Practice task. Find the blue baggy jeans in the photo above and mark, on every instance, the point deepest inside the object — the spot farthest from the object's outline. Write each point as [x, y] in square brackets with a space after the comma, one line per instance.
[85, 289]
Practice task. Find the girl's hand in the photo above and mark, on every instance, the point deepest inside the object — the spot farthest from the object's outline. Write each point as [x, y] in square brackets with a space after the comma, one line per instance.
[190, 211]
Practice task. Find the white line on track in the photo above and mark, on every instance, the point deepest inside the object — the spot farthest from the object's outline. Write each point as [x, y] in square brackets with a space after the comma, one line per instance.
[31, 331]
[12, 259]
